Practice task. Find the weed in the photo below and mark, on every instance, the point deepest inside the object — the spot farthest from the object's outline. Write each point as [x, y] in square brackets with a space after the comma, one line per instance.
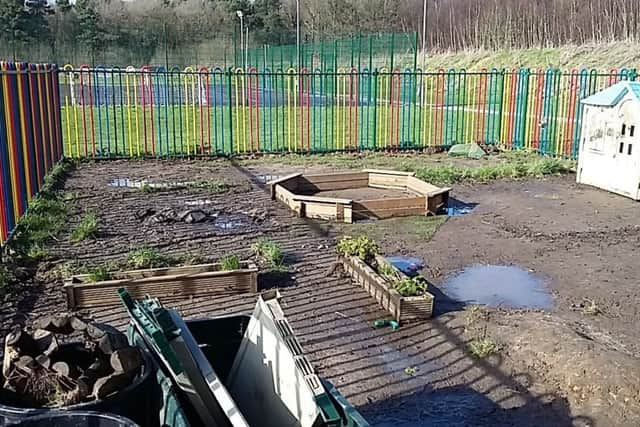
[362, 247]
[149, 258]
[146, 188]
[482, 347]
[213, 186]
[37, 253]
[5, 280]
[271, 253]
[410, 286]
[88, 228]
[99, 274]
[413, 230]
[230, 263]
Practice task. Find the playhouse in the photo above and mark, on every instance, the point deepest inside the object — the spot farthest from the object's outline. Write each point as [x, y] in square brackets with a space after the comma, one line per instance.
[610, 142]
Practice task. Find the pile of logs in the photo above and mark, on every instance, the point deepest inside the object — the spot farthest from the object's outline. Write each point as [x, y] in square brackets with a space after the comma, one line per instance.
[64, 360]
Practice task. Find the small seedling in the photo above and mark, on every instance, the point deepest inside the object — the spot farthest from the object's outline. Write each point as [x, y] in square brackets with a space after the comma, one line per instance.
[482, 347]
[362, 247]
[99, 274]
[590, 308]
[230, 263]
[271, 253]
[148, 258]
[88, 228]
[410, 371]
[213, 186]
[410, 286]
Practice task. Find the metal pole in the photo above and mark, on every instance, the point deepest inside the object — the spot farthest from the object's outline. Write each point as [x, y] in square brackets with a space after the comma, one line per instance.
[246, 51]
[298, 31]
[424, 35]
[244, 64]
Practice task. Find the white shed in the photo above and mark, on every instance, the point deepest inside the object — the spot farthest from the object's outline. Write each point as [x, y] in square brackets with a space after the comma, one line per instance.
[609, 155]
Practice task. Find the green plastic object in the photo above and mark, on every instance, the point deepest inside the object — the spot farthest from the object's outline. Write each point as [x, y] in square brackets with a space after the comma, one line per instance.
[472, 151]
[383, 323]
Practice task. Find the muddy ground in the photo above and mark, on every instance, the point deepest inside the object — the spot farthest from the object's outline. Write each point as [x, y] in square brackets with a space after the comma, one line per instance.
[563, 366]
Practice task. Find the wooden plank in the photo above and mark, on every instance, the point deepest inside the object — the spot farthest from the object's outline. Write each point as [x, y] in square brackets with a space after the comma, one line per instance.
[327, 200]
[272, 184]
[81, 294]
[337, 177]
[311, 188]
[421, 187]
[384, 204]
[438, 201]
[324, 211]
[288, 198]
[388, 172]
[388, 181]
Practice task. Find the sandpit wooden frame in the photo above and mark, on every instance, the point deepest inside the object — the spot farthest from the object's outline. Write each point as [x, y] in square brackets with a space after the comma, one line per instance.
[403, 309]
[296, 191]
[167, 284]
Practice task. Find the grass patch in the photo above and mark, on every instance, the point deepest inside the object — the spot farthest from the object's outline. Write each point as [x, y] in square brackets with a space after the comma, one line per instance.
[520, 168]
[217, 187]
[88, 228]
[230, 263]
[271, 253]
[481, 348]
[149, 258]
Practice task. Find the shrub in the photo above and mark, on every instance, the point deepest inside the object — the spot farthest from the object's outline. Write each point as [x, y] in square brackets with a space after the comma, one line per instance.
[482, 347]
[229, 263]
[362, 247]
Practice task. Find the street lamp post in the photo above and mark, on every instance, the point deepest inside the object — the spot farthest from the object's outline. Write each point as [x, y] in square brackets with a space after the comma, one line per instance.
[241, 16]
[298, 32]
[424, 35]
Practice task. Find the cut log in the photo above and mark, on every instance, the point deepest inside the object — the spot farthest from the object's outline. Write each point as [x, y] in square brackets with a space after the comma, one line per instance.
[64, 369]
[61, 324]
[43, 322]
[45, 341]
[77, 324]
[127, 359]
[107, 385]
[26, 364]
[43, 361]
[21, 341]
[95, 331]
[111, 343]
[11, 354]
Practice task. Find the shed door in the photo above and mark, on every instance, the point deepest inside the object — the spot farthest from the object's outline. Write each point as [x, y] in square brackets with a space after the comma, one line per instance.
[626, 170]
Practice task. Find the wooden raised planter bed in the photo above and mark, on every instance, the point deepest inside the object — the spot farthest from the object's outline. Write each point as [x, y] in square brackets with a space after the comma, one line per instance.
[403, 309]
[166, 284]
[420, 198]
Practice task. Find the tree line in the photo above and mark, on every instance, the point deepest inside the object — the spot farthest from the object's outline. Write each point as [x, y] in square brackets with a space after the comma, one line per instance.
[179, 32]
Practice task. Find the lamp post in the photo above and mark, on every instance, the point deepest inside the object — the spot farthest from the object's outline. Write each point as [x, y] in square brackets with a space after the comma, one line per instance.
[241, 16]
[298, 32]
[424, 35]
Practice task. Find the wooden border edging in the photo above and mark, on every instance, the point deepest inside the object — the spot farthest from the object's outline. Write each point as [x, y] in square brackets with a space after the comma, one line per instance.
[403, 309]
[166, 284]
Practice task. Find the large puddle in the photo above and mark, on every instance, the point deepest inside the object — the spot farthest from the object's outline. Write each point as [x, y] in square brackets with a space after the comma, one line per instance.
[498, 286]
[458, 208]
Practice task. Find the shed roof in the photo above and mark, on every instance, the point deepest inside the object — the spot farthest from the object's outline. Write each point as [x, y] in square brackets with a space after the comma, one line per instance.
[613, 94]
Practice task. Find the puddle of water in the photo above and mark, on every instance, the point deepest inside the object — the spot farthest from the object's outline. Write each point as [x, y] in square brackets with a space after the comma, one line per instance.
[498, 286]
[198, 202]
[126, 183]
[267, 178]
[131, 183]
[459, 208]
[408, 265]
[226, 222]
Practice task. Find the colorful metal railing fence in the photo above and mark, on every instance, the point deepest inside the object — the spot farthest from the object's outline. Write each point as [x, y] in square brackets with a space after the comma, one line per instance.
[30, 136]
[155, 112]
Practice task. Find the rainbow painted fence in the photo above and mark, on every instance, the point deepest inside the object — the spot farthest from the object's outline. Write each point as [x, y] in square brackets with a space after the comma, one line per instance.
[111, 113]
[30, 137]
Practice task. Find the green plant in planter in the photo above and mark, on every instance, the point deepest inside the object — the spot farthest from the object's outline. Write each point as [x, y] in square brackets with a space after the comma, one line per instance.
[362, 247]
[270, 252]
[230, 263]
[410, 286]
[99, 274]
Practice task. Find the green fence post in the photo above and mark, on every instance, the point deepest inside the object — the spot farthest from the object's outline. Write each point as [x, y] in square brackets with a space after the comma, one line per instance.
[230, 113]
